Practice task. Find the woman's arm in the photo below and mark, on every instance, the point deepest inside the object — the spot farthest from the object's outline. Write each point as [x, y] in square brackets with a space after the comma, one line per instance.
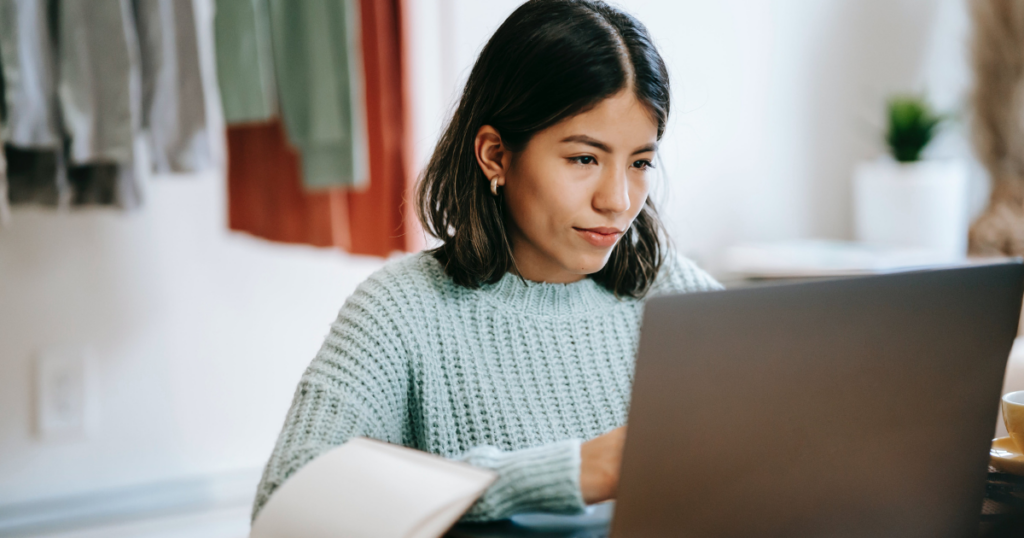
[561, 477]
[545, 478]
[356, 386]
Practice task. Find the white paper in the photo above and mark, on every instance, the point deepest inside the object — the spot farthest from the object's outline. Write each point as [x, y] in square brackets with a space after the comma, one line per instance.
[366, 488]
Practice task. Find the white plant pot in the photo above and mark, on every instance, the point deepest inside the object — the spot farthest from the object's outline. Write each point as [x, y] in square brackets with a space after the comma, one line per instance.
[914, 205]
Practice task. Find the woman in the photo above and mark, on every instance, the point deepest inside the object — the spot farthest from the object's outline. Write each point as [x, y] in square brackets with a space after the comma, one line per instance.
[511, 345]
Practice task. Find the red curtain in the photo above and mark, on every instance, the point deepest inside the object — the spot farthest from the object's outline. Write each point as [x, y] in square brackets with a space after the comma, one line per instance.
[265, 193]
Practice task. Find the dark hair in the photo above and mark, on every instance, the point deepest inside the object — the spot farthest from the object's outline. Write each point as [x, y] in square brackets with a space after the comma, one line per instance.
[549, 60]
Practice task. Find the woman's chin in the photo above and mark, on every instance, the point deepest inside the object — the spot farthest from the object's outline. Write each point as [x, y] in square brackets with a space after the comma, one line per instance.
[588, 264]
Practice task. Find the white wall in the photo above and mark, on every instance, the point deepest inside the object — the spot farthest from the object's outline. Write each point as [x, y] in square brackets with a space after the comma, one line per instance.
[773, 101]
[201, 334]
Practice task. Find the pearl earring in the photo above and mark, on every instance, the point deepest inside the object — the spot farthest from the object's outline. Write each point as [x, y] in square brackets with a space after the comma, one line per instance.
[494, 185]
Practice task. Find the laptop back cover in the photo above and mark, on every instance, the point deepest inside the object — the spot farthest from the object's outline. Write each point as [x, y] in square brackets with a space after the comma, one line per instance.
[855, 407]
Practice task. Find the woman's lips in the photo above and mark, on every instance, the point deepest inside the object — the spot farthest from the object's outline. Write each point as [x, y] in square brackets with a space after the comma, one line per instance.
[600, 237]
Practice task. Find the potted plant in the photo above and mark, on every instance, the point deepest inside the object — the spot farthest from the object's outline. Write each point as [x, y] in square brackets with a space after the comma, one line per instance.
[902, 200]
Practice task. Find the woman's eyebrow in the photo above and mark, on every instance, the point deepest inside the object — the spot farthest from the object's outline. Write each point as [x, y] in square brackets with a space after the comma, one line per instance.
[644, 149]
[584, 139]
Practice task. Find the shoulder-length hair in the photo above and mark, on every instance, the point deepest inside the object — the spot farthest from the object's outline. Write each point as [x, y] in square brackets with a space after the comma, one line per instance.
[549, 60]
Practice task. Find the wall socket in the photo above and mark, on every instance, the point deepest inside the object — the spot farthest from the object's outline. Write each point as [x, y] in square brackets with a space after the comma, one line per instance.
[64, 393]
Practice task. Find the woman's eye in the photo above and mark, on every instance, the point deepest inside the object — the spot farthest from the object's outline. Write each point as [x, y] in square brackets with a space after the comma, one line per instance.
[583, 159]
[642, 164]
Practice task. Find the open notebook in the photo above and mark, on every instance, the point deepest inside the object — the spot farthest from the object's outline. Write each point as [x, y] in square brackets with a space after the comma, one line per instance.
[367, 488]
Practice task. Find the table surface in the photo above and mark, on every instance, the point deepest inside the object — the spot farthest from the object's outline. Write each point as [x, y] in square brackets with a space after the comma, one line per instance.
[1004, 501]
[508, 529]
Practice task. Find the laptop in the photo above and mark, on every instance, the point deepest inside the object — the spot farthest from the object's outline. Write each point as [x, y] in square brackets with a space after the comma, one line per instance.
[844, 408]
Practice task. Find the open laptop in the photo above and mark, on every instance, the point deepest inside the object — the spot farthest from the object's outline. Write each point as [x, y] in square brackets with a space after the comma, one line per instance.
[845, 408]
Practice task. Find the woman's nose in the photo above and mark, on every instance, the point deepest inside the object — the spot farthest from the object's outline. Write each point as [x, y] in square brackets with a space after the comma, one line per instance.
[612, 194]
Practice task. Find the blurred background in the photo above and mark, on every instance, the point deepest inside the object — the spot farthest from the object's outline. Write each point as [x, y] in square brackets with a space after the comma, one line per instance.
[160, 298]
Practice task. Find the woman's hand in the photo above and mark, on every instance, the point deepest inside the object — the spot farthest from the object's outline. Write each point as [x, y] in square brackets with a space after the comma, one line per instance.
[600, 459]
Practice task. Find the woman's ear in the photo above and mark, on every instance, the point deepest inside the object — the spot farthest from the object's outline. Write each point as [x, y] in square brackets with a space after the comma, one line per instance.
[491, 154]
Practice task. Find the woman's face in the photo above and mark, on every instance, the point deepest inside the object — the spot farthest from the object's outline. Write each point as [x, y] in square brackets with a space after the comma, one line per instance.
[576, 187]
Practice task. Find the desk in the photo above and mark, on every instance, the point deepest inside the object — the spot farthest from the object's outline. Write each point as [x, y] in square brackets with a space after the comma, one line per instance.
[507, 529]
[591, 524]
[1004, 500]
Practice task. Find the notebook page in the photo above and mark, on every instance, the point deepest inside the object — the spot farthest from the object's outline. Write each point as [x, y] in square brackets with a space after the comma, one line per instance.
[367, 488]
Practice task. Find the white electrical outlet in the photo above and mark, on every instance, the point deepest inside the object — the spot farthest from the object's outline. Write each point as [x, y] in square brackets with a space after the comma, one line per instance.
[64, 393]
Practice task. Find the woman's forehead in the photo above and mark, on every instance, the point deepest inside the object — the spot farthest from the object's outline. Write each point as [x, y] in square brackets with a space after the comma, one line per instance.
[620, 122]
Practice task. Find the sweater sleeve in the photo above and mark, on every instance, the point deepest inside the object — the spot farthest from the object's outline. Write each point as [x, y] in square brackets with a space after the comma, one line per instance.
[544, 478]
[355, 386]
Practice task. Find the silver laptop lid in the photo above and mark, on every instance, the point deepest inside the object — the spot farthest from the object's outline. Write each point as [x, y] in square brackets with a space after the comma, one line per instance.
[857, 407]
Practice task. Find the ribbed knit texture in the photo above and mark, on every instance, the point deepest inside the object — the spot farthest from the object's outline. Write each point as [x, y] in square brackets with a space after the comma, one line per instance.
[512, 376]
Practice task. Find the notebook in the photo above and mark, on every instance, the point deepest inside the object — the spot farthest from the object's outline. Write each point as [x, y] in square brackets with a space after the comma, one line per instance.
[367, 488]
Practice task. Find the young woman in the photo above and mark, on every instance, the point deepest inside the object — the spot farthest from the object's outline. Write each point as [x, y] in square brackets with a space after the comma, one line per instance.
[511, 345]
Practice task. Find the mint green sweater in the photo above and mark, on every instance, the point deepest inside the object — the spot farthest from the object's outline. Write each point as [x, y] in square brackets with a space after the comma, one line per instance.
[512, 376]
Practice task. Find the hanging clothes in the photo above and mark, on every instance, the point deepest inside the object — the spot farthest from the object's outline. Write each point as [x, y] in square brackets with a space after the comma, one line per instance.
[30, 83]
[415, 238]
[173, 103]
[99, 93]
[316, 57]
[378, 223]
[32, 177]
[31, 126]
[266, 195]
[75, 80]
[5, 210]
[245, 62]
[98, 79]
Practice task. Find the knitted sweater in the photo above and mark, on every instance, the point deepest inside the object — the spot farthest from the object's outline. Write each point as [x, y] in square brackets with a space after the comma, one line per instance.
[512, 376]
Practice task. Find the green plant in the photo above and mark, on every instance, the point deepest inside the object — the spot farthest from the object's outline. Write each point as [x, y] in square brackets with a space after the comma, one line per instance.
[912, 124]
